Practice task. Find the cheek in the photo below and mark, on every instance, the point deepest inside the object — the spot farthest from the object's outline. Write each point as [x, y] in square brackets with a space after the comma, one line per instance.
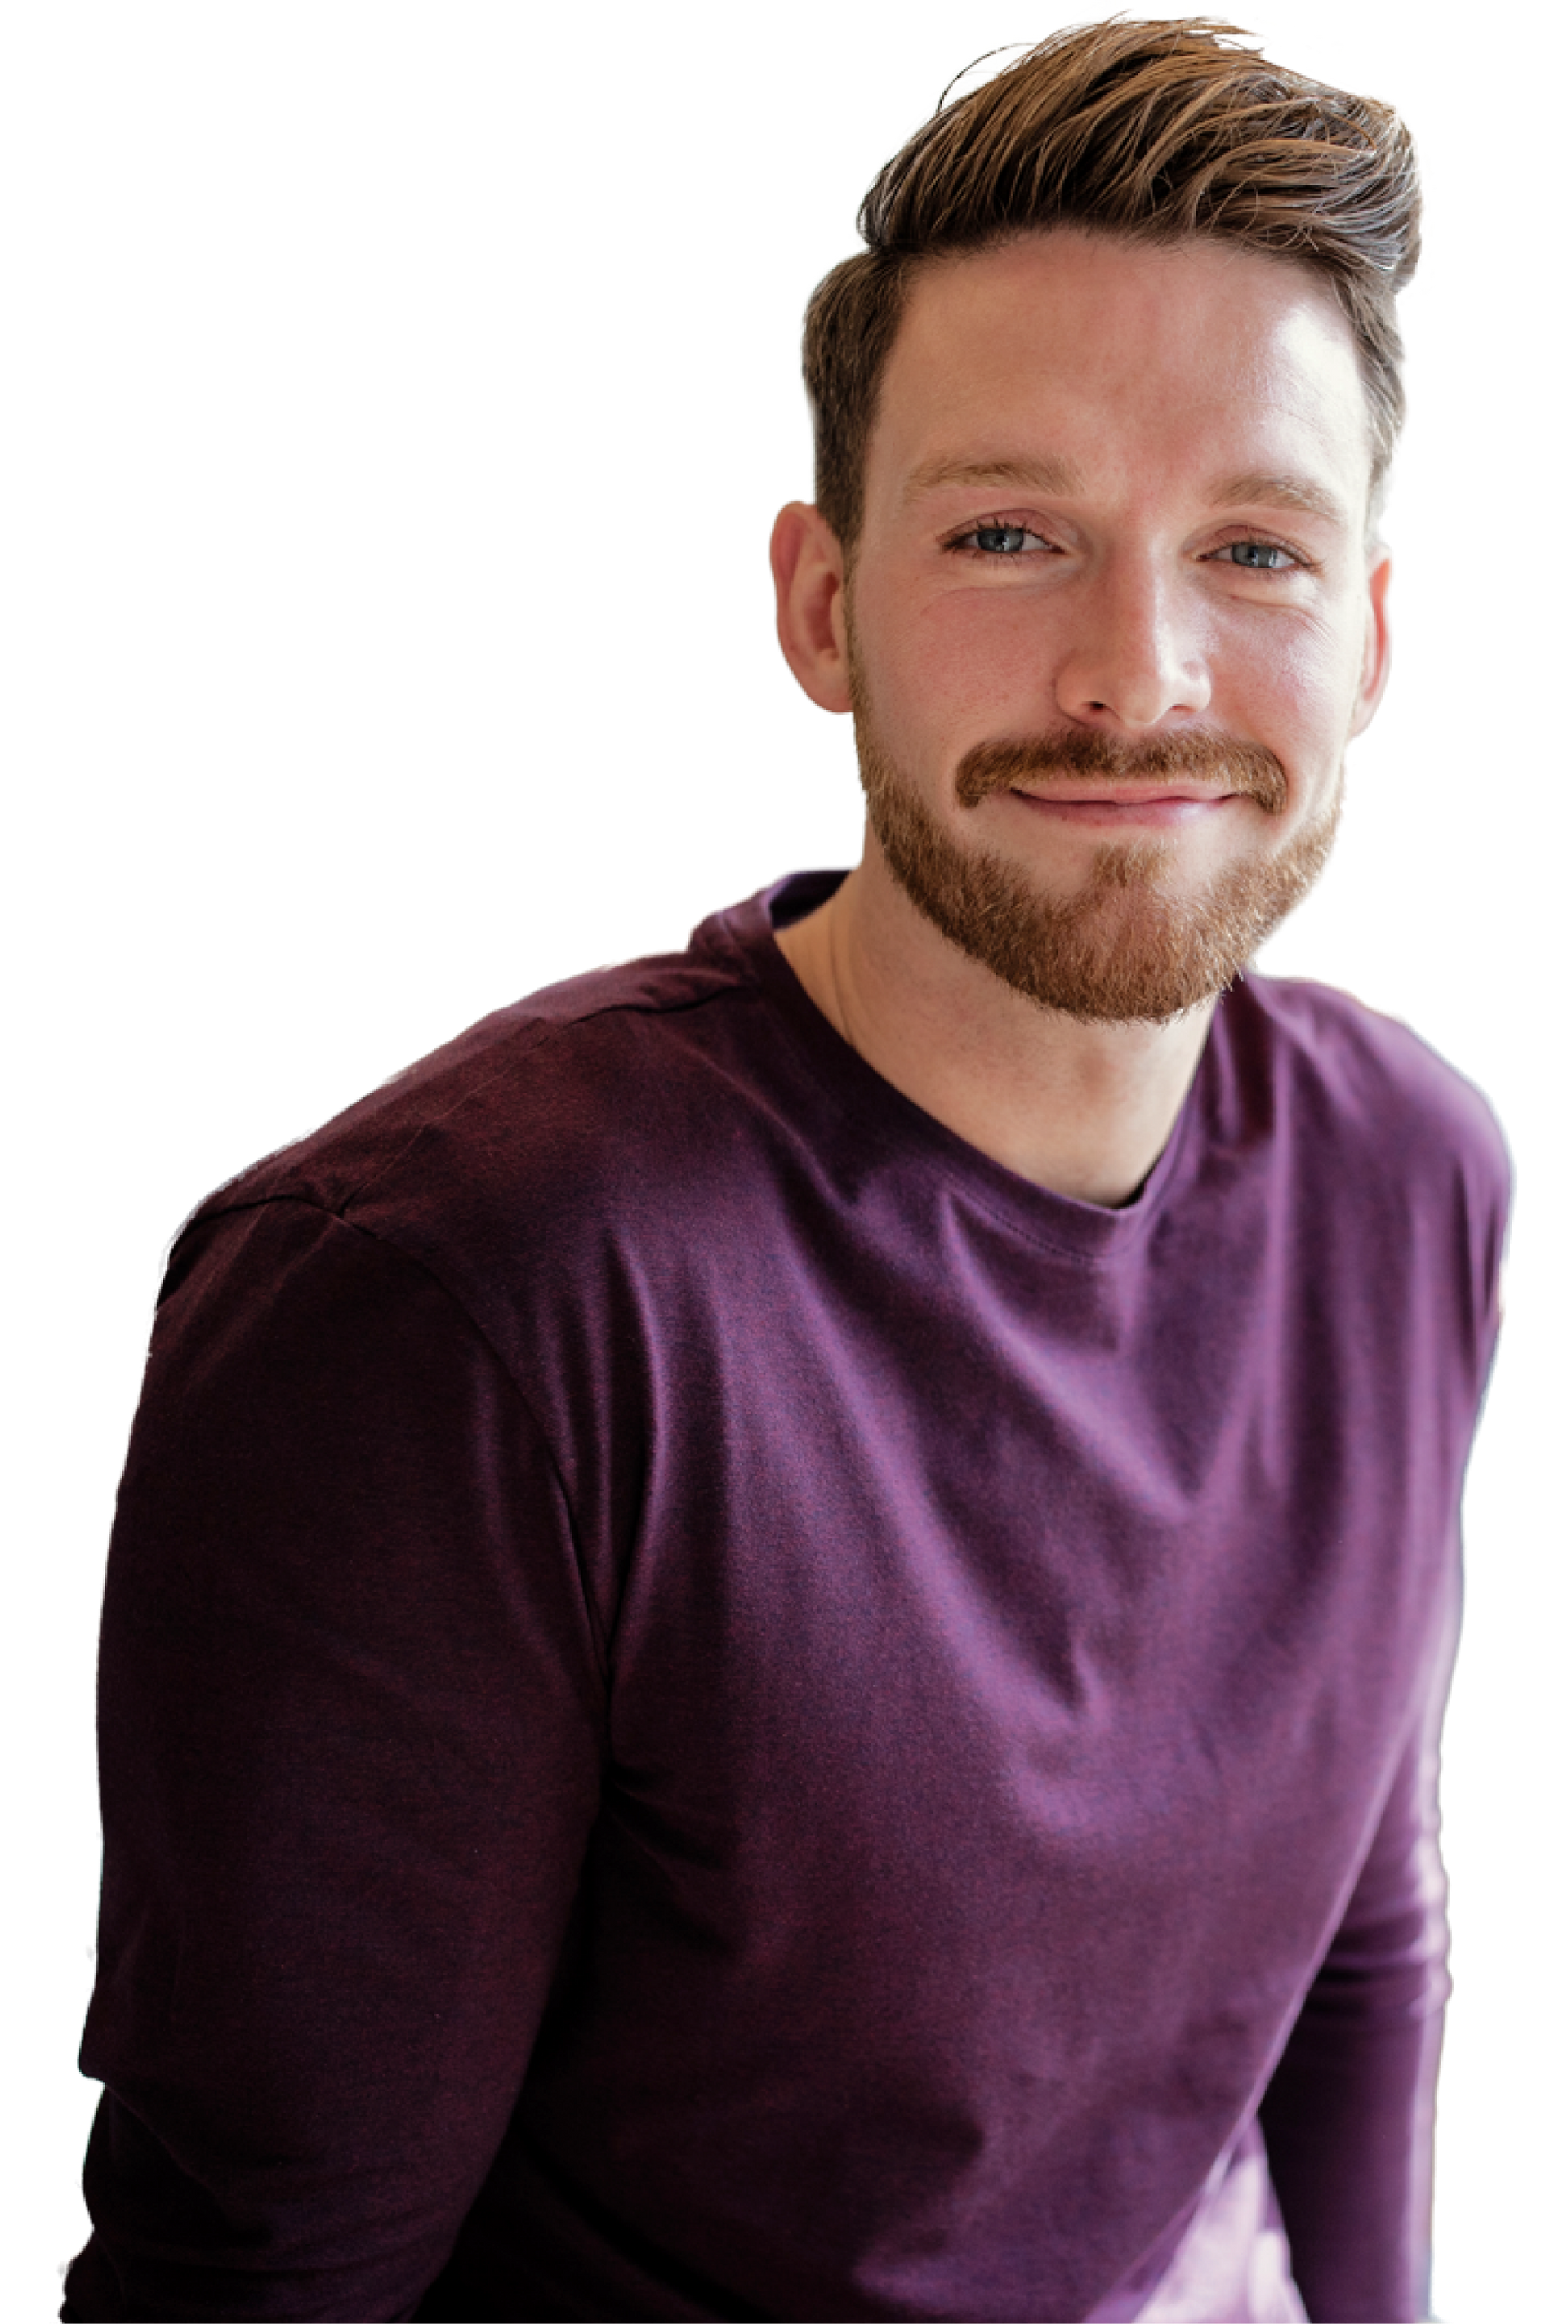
[976, 662]
[1294, 688]
[931, 669]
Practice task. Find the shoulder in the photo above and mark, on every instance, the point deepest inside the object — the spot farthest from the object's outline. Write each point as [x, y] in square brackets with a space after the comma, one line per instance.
[1369, 1123]
[1369, 1077]
[548, 1119]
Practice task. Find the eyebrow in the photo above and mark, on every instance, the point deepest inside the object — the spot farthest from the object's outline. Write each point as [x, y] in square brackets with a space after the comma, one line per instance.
[1254, 488]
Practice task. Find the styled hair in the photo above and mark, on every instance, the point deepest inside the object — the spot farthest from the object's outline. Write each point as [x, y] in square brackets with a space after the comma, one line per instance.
[1150, 131]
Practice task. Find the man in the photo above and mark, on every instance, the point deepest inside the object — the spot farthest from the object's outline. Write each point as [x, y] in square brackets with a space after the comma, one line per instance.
[1107, 770]
[776, 1630]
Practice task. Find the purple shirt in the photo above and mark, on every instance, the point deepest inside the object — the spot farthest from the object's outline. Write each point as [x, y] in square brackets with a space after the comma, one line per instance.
[713, 1706]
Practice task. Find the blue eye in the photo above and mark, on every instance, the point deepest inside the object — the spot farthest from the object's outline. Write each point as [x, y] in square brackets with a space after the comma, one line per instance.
[1269, 550]
[1002, 542]
[1000, 533]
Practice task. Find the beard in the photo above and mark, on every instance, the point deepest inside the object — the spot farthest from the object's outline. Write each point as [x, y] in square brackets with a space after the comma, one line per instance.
[1131, 946]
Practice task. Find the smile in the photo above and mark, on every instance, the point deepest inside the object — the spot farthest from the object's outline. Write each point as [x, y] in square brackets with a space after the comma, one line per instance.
[1116, 809]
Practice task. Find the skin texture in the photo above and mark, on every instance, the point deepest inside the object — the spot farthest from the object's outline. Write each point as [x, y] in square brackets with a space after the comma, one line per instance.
[1077, 683]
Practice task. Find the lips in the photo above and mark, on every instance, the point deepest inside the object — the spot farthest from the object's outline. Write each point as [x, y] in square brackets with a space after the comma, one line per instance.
[1136, 807]
[1124, 795]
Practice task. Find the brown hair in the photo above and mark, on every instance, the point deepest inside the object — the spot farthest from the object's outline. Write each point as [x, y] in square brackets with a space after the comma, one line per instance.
[1150, 131]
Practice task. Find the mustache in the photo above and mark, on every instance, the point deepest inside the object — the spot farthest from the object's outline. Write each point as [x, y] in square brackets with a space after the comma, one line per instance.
[1220, 762]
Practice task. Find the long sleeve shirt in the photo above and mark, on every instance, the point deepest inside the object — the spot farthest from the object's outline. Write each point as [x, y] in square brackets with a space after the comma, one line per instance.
[714, 1706]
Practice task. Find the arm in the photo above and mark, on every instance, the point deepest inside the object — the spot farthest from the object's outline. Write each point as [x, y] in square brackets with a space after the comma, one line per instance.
[1347, 2116]
[350, 1714]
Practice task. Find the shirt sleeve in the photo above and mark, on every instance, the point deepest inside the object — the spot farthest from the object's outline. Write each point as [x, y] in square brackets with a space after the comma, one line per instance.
[1349, 2114]
[350, 1729]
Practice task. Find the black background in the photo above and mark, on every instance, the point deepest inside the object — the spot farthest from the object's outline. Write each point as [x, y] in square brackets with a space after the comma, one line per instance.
[419, 415]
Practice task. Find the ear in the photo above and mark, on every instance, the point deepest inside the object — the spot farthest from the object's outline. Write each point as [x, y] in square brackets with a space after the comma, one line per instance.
[808, 579]
[1375, 656]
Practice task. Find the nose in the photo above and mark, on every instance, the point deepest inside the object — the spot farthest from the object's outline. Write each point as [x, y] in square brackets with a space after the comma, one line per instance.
[1132, 657]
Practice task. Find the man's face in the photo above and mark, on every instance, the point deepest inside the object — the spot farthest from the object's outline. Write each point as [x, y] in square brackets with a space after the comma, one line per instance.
[1111, 618]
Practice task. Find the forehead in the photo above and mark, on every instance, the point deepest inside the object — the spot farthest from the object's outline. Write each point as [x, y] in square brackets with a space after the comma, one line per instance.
[1133, 363]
